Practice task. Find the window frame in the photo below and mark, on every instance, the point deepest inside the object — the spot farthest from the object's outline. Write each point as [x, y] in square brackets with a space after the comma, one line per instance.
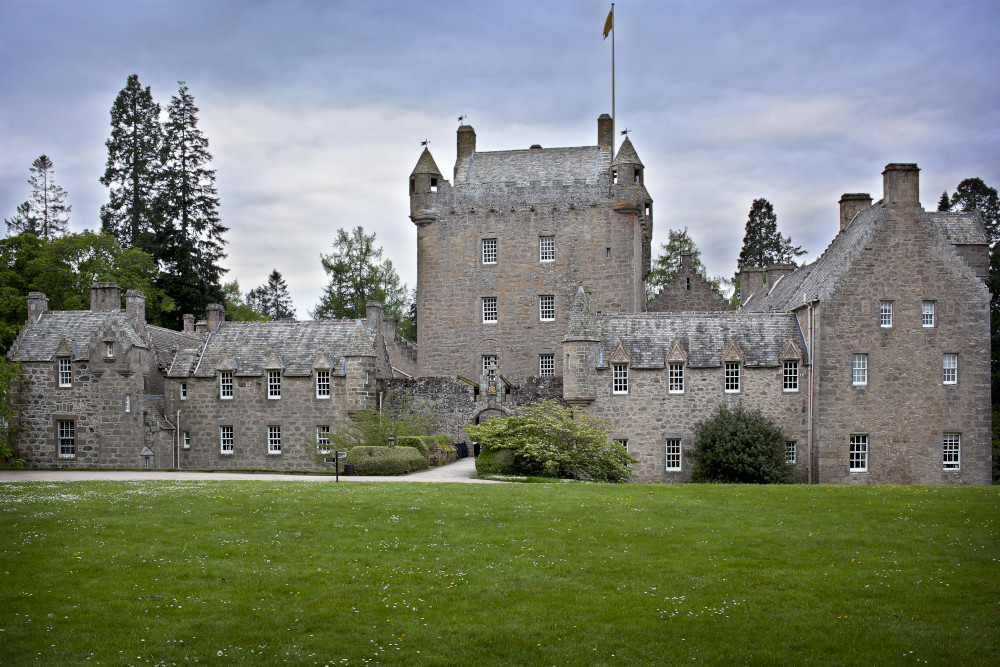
[885, 313]
[273, 385]
[274, 439]
[619, 378]
[489, 248]
[546, 307]
[227, 445]
[183, 391]
[673, 453]
[732, 377]
[185, 439]
[109, 350]
[323, 438]
[546, 254]
[226, 385]
[791, 451]
[491, 308]
[789, 381]
[546, 370]
[951, 451]
[859, 369]
[323, 382]
[675, 377]
[621, 441]
[857, 453]
[928, 318]
[949, 372]
[64, 372]
[66, 438]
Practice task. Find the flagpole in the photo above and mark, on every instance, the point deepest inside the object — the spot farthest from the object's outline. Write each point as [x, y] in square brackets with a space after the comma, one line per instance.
[613, 81]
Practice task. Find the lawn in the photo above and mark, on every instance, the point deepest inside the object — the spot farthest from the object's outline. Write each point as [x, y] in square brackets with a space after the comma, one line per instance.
[463, 574]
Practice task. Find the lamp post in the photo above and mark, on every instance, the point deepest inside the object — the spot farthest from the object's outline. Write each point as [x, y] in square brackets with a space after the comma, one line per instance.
[392, 440]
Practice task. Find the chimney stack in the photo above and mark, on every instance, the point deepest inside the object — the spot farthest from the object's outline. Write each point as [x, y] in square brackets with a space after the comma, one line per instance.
[188, 323]
[373, 316]
[215, 315]
[105, 297]
[38, 303]
[135, 309]
[751, 280]
[851, 204]
[901, 185]
[776, 272]
[605, 131]
[466, 142]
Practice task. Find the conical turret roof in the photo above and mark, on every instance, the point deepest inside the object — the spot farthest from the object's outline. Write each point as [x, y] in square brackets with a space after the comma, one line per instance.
[426, 164]
[627, 154]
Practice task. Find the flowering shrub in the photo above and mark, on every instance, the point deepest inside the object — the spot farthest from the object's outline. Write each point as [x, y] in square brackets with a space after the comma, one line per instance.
[546, 440]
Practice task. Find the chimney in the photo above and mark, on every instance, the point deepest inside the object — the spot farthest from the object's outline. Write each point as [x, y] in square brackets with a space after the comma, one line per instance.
[38, 303]
[776, 272]
[466, 142]
[188, 323]
[751, 280]
[200, 327]
[901, 185]
[105, 297]
[605, 131]
[215, 315]
[135, 309]
[851, 204]
[373, 316]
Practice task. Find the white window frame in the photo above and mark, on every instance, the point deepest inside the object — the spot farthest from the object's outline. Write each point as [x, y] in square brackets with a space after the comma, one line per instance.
[273, 385]
[128, 403]
[949, 368]
[546, 307]
[675, 377]
[732, 377]
[322, 384]
[65, 370]
[790, 376]
[489, 251]
[274, 439]
[66, 438]
[491, 310]
[109, 350]
[672, 455]
[885, 314]
[227, 439]
[323, 438]
[486, 362]
[791, 448]
[546, 248]
[621, 441]
[226, 385]
[546, 365]
[857, 453]
[619, 378]
[859, 369]
[927, 314]
[186, 440]
[184, 391]
[951, 451]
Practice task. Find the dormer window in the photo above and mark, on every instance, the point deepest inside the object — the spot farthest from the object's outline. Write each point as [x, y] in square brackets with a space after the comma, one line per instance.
[322, 384]
[65, 372]
[274, 384]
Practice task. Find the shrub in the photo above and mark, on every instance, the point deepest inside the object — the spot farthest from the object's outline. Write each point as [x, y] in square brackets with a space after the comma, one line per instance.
[496, 462]
[386, 460]
[546, 440]
[741, 446]
[423, 443]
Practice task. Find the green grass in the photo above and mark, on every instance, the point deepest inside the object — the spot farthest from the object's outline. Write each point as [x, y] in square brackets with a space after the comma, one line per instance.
[548, 574]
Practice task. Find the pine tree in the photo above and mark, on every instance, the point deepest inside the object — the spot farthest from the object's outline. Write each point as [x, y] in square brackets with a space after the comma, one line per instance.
[762, 243]
[48, 200]
[944, 203]
[669, 262]
[273, 297]
[23, 221]
[133, 168]
[358, 274]
[189, 241]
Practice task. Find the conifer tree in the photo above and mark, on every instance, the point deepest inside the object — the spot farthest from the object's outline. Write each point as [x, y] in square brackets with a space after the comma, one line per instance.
[188, 239]
[133, 168]
[48, 200]
[944, 203]
[358, 274]
[762, 243]
[272, 299]
[23, 221]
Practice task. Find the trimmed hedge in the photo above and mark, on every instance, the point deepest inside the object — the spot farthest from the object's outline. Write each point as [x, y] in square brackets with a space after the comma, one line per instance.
[423, 443]
[368, 460]
[497, 462]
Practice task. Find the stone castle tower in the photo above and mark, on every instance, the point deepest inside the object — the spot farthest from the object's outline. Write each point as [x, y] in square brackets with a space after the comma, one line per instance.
[503, 249]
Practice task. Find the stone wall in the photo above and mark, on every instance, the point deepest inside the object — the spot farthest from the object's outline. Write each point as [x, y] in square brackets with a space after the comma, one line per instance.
[688, 291]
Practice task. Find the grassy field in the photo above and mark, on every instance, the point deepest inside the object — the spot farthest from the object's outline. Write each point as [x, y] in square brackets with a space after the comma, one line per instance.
[463, 574]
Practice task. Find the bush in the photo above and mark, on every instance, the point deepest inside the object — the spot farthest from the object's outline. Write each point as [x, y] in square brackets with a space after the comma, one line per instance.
[423, 443]
[546, 440]
[740, 446]
[496, 462]
[386, 460]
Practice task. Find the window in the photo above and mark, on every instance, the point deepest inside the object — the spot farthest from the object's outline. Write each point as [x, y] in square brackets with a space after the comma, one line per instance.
[621, 441]
[184, 391]
[226, 437]
[950, 375]
[859, 372]
[274, 384]
[673, 454]
[951, 451]
[186, 440]
[546, 364]
[547, 307]
[489, 251]
[927, 313]
[434, 184]
[128, 403]
[67, 439]
[489, 310]
[790, 451]
[491, 364]
[790, 376]
[322, 384]
[65, 372]
[858, 456]
[619, 381]
[109, 350]
[547, 248]
[273, 439]
[225, 384]
[323, 439]
[885, 314]
[675, 384]
[732, 377]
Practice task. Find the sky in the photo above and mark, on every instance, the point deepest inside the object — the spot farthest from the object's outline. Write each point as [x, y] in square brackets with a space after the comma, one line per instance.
[315, 110]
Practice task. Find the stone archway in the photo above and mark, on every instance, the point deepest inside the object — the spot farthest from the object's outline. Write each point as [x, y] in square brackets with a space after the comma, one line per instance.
[488, 414]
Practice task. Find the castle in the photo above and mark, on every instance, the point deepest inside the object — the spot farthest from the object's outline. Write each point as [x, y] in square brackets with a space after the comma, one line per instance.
[873, 359]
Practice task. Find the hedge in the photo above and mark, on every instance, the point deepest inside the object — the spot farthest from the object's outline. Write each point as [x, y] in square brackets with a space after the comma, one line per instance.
[368, 460]
[497, 462]
[423, 443]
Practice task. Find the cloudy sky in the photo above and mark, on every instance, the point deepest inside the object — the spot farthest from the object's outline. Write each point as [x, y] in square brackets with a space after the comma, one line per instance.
[315, 109]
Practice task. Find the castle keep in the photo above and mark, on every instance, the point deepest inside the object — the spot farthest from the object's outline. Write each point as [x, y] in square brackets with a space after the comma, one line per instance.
[873, 359]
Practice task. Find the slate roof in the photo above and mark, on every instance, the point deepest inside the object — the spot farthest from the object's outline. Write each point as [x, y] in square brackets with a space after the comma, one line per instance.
[627, 154]
[250, 344]
[426, 164]
[959, 227]
[169, 342]
[545, 165]
[648, 337]
[38, 339]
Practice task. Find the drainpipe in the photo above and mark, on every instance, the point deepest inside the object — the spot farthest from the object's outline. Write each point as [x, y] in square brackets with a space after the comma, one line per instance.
[812, 371]
[180, 436]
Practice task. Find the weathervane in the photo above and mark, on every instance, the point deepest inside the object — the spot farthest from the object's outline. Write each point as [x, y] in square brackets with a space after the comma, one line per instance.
[425, 142]
[461, 118]
[625, 132]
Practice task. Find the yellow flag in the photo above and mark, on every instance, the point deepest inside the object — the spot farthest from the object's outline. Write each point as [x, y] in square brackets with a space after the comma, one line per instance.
[610, 23]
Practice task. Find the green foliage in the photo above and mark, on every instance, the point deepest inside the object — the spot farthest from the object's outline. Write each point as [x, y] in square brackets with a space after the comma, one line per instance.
[739, 446]
[996, 444]
[272, 299]
[399, 417]
[11, 388]
[237, 310]
[45, 214]
[763, 244]
[423, 443]
[547, 440]
[496, 462]
[944, 203]
[386, 460]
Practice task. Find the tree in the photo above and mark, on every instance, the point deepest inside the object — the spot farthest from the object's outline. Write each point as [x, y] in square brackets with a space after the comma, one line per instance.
[973, 194]
[762, 243]
[666, 266]
[944, 203]
[238, 310]
[133, 169]
[739, 446]
[358, 274]
[273, 297]
[11, 402]
[399, 416]
[48, 200]
[548, 439]
[23, 221]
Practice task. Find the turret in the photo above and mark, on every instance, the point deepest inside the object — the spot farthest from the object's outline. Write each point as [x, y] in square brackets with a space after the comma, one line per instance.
[424, 183]
[580, 349]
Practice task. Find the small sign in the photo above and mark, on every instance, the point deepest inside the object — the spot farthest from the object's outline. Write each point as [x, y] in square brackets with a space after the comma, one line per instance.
[331, 459]
[341, 455]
